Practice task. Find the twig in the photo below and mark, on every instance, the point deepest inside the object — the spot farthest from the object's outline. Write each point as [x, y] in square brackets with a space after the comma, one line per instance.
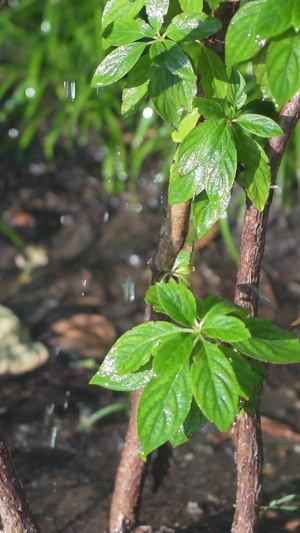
[249, 453]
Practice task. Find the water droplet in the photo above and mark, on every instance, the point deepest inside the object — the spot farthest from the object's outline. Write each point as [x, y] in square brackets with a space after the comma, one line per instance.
[105, 217]
[134, 260]
[30, 92]
[13, 133]
[147, 112]
[66, 402]
[65, 220]
[70, 89]
[129, 290]
[53, 437]
[258, 37]
[158, 178]
[45, 26]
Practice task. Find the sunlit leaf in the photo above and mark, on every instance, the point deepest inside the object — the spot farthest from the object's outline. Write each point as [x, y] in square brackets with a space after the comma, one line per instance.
[137, 86]
[187, 123]
[116, 64]
[269, 343]
[214, 306]
[192, 26]
[168, 55]
[224, 328]
[173, 300]
[283, 67]
[215, 387]
[120, 9]
[163, 407]
[259, 125]
[206, 211]
[274, 18]
[108, 376]
[195, 6]
[172, 352]
[126, 31]
[236, 89]
[242, 40]
[156, 11]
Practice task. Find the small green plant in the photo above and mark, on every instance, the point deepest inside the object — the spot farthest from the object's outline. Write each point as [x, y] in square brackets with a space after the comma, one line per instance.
[207, 363]
[198, 370]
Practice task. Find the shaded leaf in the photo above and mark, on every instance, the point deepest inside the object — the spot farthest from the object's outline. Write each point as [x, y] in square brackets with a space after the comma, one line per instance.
[216, 306]
[209, 108]
[256, 179]
[206, 212]
[296, 15]
[213, 73]
[137, 86]
[236, 89]
[194, 421]
[170, 94]
[168, 55]
[248, 379]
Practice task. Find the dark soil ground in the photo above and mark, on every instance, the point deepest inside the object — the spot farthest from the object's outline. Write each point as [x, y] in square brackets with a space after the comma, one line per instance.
[95, 249]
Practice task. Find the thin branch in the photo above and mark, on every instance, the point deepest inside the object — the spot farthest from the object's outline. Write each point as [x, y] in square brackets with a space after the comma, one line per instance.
[131, 470]
[249, 453]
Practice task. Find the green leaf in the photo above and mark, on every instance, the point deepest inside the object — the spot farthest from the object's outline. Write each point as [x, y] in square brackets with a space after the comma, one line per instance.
[194, 6]
[213, 73]
[236, 94]
[214, 4]
[269, 343]
[256, 179]
[283, 67]
[120, 9]
[260, 71]
[296, 15]
[206, 159]
[215, 387]
[173, 300]
[117, 64]
[259, 125]
[187, 123]
[163, 407]
[126, 31]
[274, 18]
[172, 353]
[224, 328]
[215, 306]
[170, 94]
[168, 55]
[242, 40]
[247, 378]
[199, 307]
[137, 345]
[192, 26]
[137, 86]
[194, 421]
[206, 212]
[156, 10]
[209, 108]
[108, 376]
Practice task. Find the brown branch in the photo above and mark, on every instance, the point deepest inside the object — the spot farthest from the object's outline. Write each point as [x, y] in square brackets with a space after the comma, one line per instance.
[131, 470]
[249, 453]
[15, 513]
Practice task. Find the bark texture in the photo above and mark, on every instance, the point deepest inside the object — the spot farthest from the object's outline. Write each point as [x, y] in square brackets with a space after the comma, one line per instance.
[131, 470]
[15, 513]
[249, 452]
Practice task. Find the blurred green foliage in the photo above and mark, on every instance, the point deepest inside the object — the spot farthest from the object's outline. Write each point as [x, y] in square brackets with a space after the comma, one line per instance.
[49, 51]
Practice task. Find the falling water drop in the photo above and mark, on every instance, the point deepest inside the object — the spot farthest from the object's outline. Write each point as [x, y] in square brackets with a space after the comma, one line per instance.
[70, 89]
[66, 402]
[53, 437]
[129, 290]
